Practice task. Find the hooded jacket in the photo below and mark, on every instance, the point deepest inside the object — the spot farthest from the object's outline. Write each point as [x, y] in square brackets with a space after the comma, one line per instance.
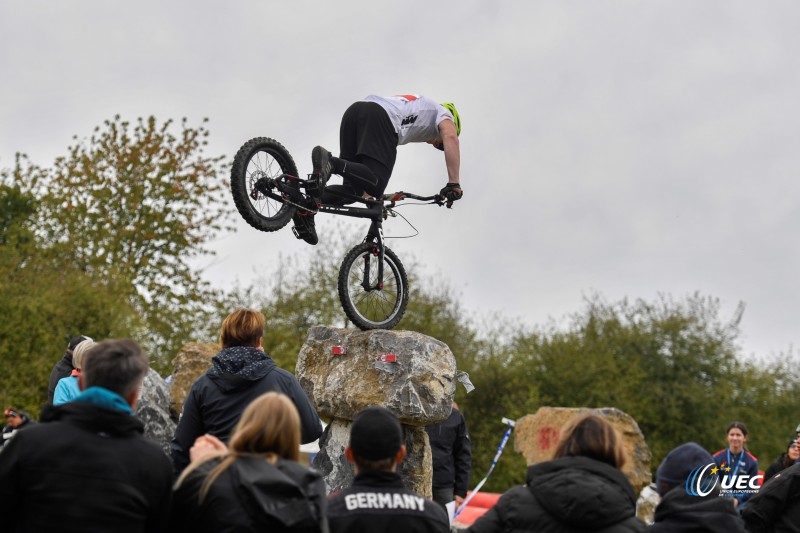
[62, 369]
[564, 495]
[251, 495]
[85, 468]
[776, 507]
[238, 375]
[679, 512]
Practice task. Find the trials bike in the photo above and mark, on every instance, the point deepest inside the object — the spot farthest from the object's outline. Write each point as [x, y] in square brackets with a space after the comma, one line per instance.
[372, 284]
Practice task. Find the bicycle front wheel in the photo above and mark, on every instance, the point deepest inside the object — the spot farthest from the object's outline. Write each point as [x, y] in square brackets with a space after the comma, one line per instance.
[366, 303]
[258, 158]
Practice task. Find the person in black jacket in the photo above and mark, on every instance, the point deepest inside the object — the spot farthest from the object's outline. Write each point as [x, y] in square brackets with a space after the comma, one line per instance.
[240, 372]
[678, 511]
[257, 485]
[88, 467]
[63, 368]
[787, 459]
[378, 500]
[776, 507]
[581, 489]
[451, 458]
[15, 421]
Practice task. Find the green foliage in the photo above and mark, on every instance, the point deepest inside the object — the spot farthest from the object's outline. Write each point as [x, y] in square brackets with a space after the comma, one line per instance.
[131, 207]
[42, 303]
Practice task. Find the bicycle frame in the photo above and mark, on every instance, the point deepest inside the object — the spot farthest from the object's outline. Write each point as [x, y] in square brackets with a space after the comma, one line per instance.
[376, 210]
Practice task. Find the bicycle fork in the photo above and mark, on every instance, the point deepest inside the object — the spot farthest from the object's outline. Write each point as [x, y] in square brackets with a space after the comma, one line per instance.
[375, 236]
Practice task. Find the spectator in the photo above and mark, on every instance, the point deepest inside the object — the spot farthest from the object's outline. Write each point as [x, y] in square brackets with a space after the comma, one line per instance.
[89, 468]
[581, 489]
[63, 368]
[452, 458]
[680, 511]
[258, 485]
[240, 372]
[15, 421]
[68, 387]
[776, 507]
[378, 500]
[735, 461]
[787, 459]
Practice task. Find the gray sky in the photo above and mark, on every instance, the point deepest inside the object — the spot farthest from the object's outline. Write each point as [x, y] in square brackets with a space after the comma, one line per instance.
[623, 147]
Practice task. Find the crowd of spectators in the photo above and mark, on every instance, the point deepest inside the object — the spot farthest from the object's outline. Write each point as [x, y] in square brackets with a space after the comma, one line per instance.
[234, 462]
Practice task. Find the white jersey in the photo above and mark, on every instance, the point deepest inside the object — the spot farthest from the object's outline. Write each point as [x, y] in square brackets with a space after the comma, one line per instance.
[415, 118]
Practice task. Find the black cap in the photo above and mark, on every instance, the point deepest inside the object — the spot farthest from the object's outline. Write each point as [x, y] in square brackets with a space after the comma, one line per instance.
[376, 434]
[75, 341]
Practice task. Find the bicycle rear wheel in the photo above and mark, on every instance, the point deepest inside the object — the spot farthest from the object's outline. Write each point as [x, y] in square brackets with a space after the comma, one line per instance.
[375, 307]
[258, 158]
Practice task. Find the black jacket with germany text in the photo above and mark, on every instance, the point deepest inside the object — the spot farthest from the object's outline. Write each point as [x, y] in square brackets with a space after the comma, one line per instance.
[380, 502]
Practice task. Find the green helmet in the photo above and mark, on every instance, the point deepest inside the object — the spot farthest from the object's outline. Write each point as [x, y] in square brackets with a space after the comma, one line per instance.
[456, 119]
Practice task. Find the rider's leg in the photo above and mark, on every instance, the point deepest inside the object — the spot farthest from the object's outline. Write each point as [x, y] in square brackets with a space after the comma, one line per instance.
[363, 175]
[330, 196]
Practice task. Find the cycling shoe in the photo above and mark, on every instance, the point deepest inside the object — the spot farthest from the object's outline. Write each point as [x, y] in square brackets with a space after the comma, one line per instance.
[304, 227]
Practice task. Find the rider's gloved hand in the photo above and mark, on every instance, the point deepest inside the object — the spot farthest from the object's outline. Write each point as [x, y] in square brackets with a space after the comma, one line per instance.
[451, 192]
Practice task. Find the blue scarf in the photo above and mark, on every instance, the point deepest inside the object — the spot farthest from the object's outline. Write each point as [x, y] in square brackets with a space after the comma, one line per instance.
[104, 398]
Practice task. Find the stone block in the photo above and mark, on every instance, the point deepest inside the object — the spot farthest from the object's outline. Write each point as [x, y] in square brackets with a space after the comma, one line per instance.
[153, 409]
[418, 387]
[190, 363]
[537, 435]
[416, 469]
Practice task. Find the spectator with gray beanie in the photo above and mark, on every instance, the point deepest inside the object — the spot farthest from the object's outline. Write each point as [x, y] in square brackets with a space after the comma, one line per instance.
[378, 500]
[680, 511]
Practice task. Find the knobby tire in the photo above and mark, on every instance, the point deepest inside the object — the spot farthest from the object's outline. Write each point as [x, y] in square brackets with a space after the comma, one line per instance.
[257, 158]
[376, 309]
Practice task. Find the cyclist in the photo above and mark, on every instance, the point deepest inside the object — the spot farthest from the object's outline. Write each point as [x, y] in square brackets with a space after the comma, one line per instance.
[369, 135]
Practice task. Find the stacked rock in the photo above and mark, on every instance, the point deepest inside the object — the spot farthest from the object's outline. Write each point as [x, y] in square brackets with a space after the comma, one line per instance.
[346, 370]
[537, 435]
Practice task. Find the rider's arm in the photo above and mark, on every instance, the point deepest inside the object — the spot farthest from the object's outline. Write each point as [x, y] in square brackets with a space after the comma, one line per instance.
[452, 151]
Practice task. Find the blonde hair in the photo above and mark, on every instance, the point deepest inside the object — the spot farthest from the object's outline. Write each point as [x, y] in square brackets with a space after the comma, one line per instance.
[269, 428]
[243, 327]
[79, 351]
[591, 436]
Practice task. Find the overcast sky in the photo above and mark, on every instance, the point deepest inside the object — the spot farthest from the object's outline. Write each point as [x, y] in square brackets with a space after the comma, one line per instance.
[629, 148]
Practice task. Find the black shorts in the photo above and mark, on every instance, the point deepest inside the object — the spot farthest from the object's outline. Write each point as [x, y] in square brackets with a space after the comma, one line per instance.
[367, 132]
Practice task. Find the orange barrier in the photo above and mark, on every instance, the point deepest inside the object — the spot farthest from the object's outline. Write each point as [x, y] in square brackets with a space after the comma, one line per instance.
[478, 505]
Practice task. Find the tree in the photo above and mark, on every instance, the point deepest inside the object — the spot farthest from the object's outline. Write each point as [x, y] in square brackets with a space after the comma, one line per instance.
[43, 301]
[132, 206]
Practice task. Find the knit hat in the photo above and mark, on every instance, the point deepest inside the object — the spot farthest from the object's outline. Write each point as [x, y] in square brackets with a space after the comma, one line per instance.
[376, 434]
[75, 341]
[676, 466]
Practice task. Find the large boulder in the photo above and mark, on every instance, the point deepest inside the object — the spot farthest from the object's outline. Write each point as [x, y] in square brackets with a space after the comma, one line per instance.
[537, 435]
[153, 409]
[416, 469]
[190, 363]
[418, 387]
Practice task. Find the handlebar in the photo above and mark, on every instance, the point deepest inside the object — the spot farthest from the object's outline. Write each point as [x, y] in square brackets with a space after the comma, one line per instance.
[400, 195]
